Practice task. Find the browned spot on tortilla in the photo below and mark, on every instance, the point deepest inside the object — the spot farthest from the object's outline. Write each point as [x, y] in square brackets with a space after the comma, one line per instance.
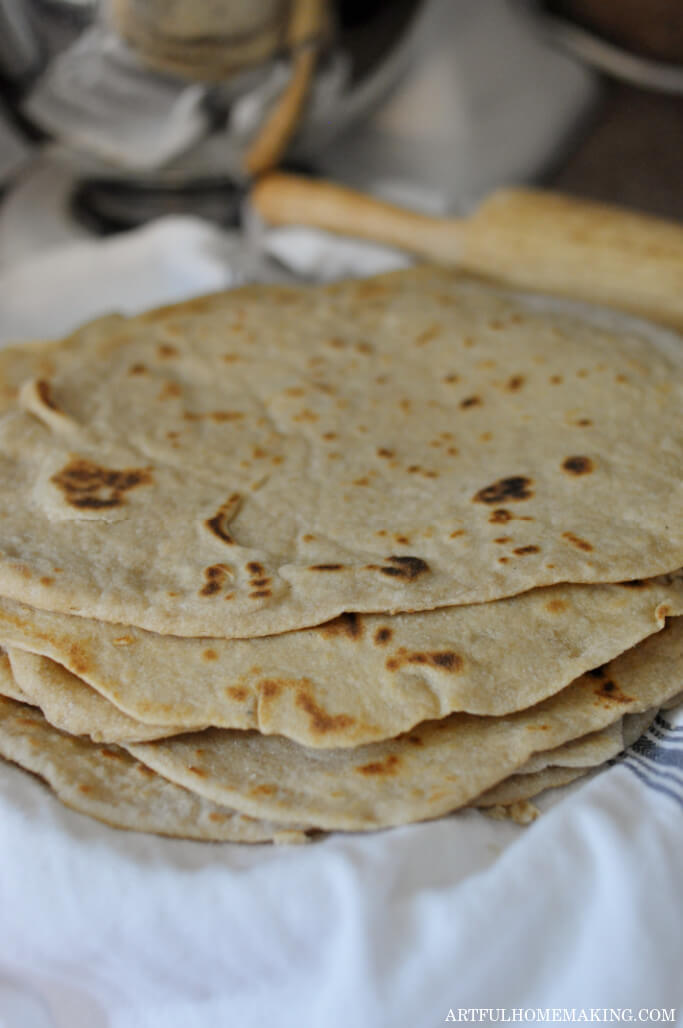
[383, 635]
[216, 576]
[169, 389]
[260, 593]
[263, 790]
[581, 544]
[219, 522]
[112, 754]
[270, 688]
[237, 692]
[515, 488]
[503, 539]
[45, 394]
[620, 378]
[578, 465]
[361, 481]
[255, 568]
[415, 740]
[388, 766]
[225, 415]
[402, 539]
[503, 560]
[259, 583]
[429, 333]
[87, 486]
[500, 516]
[305, 415]
[446, 660]
[295, 391]
[471, 401]
[514, 383]
[486, 437]
[144, 770]
[663, 610]
[137, 369]
[609, 690]
[407, 568]
[329, 436]
[79, 658]
[521, 551]
[458, 532]
[84, 788]
[584, 422]
[556, 606]
[555, 380]
[349, 624]
[451, 378]
[216, 816]
[384, 452]
[364, 347]
[166, 350]
[326, 567]
[46, 580]
[209, 655]
[308, 538]
[200, 772]
[320, 721]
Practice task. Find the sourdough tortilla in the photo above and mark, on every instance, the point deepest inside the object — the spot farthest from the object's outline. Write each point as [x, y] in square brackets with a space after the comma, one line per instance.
[358, 678]
[266, 459]
[437, 767]
[108, 784]
[72, 706]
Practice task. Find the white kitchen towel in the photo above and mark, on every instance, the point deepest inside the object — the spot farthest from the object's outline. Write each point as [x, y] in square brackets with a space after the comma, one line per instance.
[405, 928]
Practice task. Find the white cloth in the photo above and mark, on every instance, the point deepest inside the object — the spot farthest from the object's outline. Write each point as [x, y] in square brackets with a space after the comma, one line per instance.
[107, 929]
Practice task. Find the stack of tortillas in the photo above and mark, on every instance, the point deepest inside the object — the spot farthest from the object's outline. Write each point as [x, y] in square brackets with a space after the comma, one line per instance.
[279, 560]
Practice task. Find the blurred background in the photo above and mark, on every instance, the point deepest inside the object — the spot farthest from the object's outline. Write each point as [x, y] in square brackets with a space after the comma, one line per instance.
[115, 112]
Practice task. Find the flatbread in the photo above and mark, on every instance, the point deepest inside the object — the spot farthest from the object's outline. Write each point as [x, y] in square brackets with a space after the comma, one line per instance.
[263, 460]
[8, 684]
[437, 767]
[356, 679]
[69, 704]
[72, 706]
[521, 788]
[108, 784]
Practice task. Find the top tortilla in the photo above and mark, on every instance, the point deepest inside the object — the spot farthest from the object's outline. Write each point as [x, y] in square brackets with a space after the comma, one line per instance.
[266, 459]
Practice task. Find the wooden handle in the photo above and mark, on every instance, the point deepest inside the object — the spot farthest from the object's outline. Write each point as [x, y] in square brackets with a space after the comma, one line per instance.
[303, 37]
[282, 199]
[529, 239]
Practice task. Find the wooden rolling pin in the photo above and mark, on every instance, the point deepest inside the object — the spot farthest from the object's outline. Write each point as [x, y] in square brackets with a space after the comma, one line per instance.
[525, 238]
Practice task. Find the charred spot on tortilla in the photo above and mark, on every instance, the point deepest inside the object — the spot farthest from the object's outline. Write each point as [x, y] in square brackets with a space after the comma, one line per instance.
[515, 488]
[87, 486]
[216, 576]
[403, 567]
[349, 624]
[578, 465]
